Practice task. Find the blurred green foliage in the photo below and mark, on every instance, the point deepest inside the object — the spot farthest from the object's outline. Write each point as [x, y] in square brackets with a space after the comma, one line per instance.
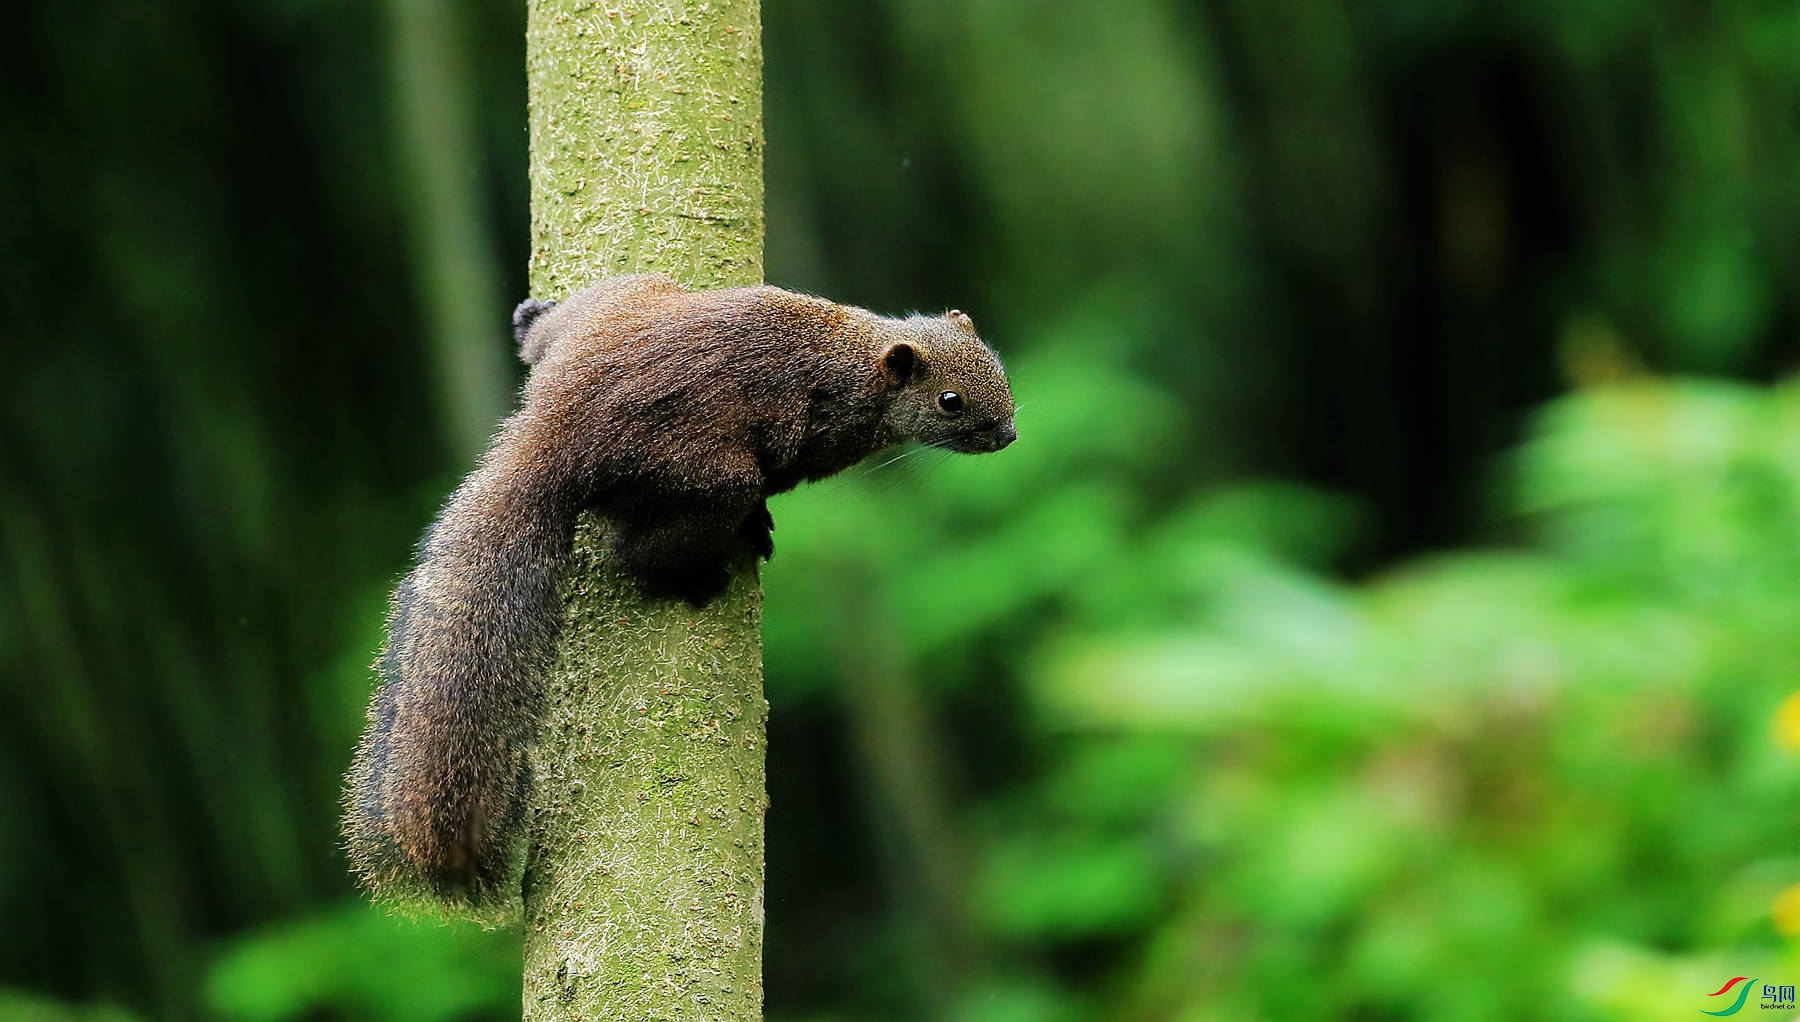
[1542, 782]
[364, 963]
[1379, 617]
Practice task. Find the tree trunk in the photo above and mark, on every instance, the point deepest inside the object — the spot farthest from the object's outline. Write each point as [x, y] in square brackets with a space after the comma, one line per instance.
[644, 882]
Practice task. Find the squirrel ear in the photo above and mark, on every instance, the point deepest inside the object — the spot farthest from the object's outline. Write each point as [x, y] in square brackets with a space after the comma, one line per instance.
[898, 363]
[961, 319]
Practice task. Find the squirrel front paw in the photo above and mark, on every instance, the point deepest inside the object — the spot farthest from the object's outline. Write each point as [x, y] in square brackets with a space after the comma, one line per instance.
[756, 531]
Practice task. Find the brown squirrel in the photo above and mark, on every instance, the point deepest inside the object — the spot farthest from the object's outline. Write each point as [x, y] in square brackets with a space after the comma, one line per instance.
[673, 414]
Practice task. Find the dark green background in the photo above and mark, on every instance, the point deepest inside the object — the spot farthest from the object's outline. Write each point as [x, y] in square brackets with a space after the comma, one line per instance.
[1383, 614]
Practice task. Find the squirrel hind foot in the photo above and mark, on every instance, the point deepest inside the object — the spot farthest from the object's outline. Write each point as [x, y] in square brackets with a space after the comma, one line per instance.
[684, 554]
[696, 584]
[523, 317]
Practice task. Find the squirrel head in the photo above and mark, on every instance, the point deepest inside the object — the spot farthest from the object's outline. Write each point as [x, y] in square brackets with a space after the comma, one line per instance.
[948, 388]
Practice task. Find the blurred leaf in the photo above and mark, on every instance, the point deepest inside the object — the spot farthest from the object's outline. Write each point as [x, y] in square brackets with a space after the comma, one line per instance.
[20, 1006]
[1119, 780]
[359, 959]
[1016, 1000]
[1033, 886]
[1008, 568]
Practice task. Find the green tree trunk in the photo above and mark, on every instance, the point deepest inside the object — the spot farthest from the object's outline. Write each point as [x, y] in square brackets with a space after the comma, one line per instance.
[644, 883]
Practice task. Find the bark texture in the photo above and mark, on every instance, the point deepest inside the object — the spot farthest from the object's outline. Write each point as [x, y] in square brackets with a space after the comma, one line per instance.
[644, 881]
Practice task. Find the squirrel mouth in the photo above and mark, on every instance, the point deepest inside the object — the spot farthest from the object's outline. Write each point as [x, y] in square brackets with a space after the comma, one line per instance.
[984, 441]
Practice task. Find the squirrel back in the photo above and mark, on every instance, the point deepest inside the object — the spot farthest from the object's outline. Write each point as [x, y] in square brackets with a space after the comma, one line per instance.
[673, 414]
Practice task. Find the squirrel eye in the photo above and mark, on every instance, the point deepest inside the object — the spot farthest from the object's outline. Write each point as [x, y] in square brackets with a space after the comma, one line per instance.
[950, 401]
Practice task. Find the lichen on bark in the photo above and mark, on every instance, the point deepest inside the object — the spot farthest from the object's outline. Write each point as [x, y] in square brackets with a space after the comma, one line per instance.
[644, 876]
[646, 141]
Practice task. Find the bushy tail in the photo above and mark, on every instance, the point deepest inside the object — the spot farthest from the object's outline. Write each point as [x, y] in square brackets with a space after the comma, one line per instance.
[437, 791]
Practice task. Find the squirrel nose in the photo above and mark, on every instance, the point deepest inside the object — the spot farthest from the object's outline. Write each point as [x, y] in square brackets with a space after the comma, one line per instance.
[1004, 435]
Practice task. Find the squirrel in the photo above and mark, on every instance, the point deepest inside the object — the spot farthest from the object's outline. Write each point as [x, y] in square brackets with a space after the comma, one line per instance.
[673, 414]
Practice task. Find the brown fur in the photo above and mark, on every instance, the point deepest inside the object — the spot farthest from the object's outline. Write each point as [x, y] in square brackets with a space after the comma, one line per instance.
[674, 414]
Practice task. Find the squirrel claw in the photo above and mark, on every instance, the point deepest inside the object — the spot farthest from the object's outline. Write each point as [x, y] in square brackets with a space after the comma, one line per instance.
[757, 529]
